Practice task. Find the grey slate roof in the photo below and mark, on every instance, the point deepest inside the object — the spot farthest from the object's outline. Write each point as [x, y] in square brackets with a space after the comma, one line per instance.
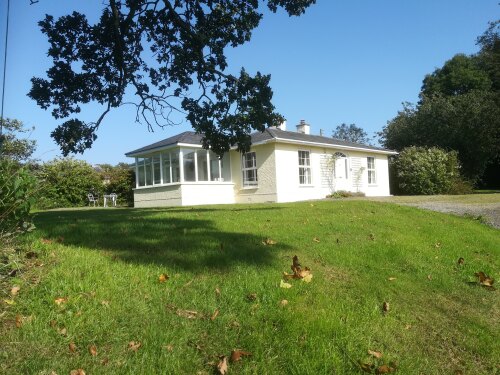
[269, 134]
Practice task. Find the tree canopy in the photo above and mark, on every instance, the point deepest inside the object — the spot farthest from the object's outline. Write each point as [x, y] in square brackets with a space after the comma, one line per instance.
[13, 146]
[351, 133]
[459, 109]
[170, 54]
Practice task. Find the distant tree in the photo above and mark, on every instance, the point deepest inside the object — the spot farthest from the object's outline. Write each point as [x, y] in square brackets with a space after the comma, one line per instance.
[351, 133]
[171, 54]
[459, 109]
[13, 145]
[459, 75]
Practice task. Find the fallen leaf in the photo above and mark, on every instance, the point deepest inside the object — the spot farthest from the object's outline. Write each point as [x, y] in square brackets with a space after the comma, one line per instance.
[134, 346]
[9, 301]
[72, 347]
[46, 241]
[19, 321]
[283, 302]
[371, 236]
[189, 314]
[217, 292]
[93, 350]
[62, 331]
[384, 369]
[307, 278]
[77, 372]
[216, 312]
[60, 300]
[237, 354]
[437, 245]
[408, 326]
[222, 365]
[104, 361]
[53, 323]
[429, 277]
[269, 241]
[391, 278]
[105, 303]
[366, 367]
[14, 290]
[461, 260]
[169, 347]
[285, 285]
[484, 279]
[316, 239]
[252, 296]
[385, 307]
[163, 277]
[375, 354]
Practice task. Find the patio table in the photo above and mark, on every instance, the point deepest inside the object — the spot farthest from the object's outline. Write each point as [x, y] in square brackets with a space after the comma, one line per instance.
[111, 197]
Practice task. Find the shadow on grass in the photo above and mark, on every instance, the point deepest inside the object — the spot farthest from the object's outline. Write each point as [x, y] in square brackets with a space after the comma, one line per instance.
[178, 237]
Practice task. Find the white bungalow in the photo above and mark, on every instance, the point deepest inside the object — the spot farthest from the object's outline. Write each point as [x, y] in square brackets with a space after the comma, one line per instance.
[281, 166]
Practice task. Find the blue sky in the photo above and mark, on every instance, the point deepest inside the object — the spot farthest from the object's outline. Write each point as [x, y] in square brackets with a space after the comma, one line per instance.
[352, 61]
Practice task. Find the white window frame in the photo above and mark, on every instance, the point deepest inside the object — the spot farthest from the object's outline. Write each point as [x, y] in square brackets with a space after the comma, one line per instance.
[372, 173]
[244, 168]
[305, 167]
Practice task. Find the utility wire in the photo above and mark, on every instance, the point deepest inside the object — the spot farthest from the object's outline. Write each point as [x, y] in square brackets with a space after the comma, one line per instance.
[4, 71]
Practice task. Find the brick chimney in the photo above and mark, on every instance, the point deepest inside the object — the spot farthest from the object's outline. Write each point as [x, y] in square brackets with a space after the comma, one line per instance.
[303, 127]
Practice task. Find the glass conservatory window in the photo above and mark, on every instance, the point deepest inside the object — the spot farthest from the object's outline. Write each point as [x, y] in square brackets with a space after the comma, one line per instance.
[214, 167]
[156, 170]
[201, 162]
[189, 171]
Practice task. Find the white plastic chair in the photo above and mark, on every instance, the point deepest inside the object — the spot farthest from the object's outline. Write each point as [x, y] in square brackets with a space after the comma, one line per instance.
[92, 199]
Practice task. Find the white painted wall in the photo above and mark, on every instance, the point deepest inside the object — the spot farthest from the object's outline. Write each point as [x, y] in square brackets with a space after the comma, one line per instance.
[207, 193]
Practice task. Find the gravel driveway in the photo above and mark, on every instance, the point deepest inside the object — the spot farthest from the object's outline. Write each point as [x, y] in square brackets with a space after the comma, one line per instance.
[489, 212]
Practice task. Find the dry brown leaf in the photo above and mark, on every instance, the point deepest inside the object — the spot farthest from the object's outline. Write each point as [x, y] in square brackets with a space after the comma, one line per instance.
[237, 354]
[391, 278]
[59, 301]
[105, 303]
[15, 290]
[77, 372]
[408, 326]
[222, 365]
[429, 277]
[385, 307]
[19, 321]
[62, 331]
[269, 241]
[366, 367]
[46, 241]
[216, 312]
[316, 239]
[375, 353]
[283, 302]
[163, 277]
[53, 323]
[169, 347]
[217, 292]
[437, 245]
[484, 279]
[461, 261]
[384, 369]
[93, 350]
[189, 314]
[104, 361]
[72, 347]
[134, 346]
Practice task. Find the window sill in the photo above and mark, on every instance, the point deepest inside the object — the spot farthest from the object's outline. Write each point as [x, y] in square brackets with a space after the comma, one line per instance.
[249, 187]
[306, 186]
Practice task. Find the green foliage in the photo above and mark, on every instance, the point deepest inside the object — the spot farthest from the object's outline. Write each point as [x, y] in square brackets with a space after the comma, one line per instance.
[351, 133]
[460, 75]
[12, 147]
[345, 194]
[17, 188]
[65, 182]
[426, 171]
[160, 50]
[120, 180]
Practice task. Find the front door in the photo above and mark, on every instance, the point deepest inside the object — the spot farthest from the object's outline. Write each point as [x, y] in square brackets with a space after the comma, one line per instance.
[341, 172]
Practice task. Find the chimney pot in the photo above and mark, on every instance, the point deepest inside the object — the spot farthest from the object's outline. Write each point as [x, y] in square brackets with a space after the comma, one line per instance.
[303, 127]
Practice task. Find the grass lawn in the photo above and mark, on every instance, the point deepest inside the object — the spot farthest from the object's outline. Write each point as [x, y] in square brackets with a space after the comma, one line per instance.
[102, 266]
[480, 197]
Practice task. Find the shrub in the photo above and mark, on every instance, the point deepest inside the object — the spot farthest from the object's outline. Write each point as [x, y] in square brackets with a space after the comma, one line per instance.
[427, 171]
[119, 179]
[65, 182]
[17, 187]
[345, 194]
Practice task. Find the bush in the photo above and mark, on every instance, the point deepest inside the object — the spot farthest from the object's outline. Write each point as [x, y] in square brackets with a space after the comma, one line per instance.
[65, 182]
[17, 188]
[119, 179]
[427, 171]
[345, 194]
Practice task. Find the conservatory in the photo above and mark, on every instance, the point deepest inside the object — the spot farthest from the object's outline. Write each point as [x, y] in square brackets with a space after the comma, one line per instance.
[180, 175]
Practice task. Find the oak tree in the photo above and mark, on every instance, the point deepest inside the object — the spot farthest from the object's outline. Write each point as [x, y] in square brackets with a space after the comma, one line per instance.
[170, 55]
